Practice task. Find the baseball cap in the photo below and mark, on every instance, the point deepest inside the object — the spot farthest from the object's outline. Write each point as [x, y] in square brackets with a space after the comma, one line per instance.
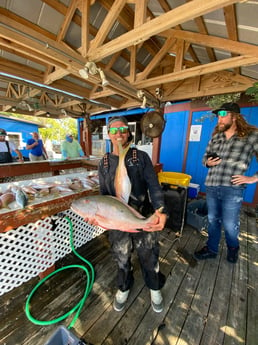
[234, 107]
[2, 131]
[117, 118]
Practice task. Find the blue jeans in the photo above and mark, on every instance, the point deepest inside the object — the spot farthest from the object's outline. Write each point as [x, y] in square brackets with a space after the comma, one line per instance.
[224, 205]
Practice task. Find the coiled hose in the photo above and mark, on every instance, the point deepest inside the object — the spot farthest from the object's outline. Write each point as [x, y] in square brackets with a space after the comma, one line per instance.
[78, 307]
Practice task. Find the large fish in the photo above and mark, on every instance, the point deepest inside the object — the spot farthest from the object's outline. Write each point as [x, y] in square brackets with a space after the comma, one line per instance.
[111, 213]
[122, 182]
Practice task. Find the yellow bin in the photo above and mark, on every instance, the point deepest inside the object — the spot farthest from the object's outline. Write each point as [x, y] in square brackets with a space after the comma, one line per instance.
[174, 178]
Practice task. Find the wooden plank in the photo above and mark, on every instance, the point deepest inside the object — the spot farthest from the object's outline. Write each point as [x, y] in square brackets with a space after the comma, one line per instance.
[106, 324]
[176, 263]
[198, 309]
[181, 294]
[252, 262]
[235, 327]
[218, 308]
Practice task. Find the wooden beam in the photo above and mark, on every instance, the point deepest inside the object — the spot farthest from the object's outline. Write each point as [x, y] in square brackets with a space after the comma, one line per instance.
[109, 20]
[223, 44]
[153, 27]
[179, 55]
[67, 20]
[159, 56]
[85, 25]
[198, 70]
[140, 12]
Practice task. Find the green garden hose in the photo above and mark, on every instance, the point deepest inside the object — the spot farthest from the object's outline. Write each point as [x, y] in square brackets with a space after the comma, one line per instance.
[78, 307]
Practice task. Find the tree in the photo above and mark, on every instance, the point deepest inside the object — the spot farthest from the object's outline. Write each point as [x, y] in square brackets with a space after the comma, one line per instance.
[214, 102]
[57, 129]
[253, 92]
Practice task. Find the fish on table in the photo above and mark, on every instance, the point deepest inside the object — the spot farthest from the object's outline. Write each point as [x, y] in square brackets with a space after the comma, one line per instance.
[122, 182]
[29, 190]
[21, 197]
[6, 199]
[111, 213]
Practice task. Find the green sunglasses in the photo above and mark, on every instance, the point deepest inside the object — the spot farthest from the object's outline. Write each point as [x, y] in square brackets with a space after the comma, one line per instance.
[114, 130]
[222, 113]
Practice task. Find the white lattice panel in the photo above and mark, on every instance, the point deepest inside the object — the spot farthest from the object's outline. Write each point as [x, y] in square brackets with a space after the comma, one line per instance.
[31, 249]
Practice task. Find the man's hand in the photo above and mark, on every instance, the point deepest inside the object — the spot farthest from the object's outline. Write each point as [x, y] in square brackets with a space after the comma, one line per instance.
[240, 179]
[158, 223]
[211, 162]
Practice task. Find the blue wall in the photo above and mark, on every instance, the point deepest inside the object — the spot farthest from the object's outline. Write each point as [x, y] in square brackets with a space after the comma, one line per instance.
[11, 125]
[174, 145]
[173, 140]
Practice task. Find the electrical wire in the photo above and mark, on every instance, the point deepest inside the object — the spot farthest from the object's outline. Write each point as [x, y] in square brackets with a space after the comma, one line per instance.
[90, 275]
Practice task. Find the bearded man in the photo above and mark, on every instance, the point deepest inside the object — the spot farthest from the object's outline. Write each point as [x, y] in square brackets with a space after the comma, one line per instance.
[228, 155]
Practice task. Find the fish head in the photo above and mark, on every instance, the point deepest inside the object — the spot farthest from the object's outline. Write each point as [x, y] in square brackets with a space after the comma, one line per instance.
[84, 207]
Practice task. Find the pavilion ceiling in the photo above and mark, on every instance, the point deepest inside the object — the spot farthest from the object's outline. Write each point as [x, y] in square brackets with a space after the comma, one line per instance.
[75, 57]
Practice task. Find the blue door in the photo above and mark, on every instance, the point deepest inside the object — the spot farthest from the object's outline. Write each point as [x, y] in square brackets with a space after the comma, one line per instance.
[173, 141]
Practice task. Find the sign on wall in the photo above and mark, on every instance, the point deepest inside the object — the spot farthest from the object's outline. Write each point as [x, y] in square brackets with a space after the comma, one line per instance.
[195, 133]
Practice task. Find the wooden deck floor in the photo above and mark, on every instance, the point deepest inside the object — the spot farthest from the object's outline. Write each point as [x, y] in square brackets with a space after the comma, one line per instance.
[206, 303]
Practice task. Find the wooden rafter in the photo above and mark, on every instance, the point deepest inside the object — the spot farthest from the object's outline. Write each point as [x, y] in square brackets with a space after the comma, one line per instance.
[137, 49]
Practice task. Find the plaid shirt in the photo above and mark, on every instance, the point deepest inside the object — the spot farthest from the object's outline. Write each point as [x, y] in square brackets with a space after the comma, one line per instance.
[236, 154]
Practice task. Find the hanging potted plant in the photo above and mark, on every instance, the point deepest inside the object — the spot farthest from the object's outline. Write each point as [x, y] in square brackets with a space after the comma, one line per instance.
[253, 92]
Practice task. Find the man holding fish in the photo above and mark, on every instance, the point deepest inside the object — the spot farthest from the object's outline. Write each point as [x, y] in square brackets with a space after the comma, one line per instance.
[130, 193]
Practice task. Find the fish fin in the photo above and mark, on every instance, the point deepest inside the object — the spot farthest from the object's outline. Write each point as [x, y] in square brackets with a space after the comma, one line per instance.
[100, 219]
[122, 152]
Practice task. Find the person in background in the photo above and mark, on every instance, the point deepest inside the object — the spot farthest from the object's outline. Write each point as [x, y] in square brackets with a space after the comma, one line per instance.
[146, 197]
[228, 155]
[70, 148]
[36, 147]
[6, 147]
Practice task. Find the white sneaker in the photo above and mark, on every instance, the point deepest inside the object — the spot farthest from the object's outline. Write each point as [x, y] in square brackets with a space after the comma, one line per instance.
[156, 301]
[120, 300]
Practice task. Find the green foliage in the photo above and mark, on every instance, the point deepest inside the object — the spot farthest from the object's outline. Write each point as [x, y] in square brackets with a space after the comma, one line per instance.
[55, 129]
[253, 92]
[216, 101]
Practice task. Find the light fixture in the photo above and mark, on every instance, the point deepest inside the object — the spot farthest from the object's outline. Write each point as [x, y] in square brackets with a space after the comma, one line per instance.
[159, 92]
[141, 95]
[24, 104]
[48, 114]
[13, 108]
[104, 80]
[29, 107]
[91, 68]
[84, 72]
[63, 111]
[144, 101]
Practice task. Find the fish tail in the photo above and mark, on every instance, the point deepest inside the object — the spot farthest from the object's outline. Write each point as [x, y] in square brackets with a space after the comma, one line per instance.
[122, 152]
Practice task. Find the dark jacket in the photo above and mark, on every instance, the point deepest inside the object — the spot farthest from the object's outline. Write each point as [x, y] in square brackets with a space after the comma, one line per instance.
[6, 157]
[146, 194]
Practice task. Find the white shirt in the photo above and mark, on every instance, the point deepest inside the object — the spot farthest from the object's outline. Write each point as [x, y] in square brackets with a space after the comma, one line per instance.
[3, 146]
